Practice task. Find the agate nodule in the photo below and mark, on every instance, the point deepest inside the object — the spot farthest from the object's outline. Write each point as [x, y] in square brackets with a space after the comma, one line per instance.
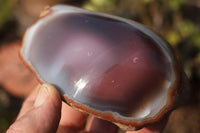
[111, 67]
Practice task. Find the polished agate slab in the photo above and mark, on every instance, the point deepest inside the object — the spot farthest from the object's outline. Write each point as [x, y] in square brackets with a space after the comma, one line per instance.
[111, 67]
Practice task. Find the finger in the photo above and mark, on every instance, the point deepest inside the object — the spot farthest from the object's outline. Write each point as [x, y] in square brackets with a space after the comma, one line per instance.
[72, 120]
[97, 125]
[43, 117]
[28, 103]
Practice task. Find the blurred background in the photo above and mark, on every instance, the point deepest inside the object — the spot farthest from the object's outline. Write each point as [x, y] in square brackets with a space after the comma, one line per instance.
[177, 21]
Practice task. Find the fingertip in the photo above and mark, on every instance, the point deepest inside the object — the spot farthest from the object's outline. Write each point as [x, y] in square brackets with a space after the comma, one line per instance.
[44, 116]
[48, 93]
[72, 120]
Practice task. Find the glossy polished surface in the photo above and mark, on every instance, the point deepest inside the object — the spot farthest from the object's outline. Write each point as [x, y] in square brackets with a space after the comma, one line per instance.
[102, 63]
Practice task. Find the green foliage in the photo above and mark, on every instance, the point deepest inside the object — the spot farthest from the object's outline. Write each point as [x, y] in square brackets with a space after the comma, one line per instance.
[196, 38]
[174, 38]
[174, 5]
[186, 28]
[6, 11]
[147, 1]
[100, 5]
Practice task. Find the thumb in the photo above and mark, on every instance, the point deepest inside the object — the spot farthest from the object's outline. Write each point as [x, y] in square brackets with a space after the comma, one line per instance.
[43, 116]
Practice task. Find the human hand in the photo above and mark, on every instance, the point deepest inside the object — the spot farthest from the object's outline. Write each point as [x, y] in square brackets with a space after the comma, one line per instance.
[44, 112]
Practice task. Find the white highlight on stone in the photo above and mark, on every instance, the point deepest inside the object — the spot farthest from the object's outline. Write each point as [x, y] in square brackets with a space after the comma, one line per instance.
[79, 85]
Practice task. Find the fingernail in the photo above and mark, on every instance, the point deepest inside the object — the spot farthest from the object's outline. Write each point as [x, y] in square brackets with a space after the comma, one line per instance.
[42, 95]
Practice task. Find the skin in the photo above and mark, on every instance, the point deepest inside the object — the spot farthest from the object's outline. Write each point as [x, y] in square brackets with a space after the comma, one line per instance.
[44, 112]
